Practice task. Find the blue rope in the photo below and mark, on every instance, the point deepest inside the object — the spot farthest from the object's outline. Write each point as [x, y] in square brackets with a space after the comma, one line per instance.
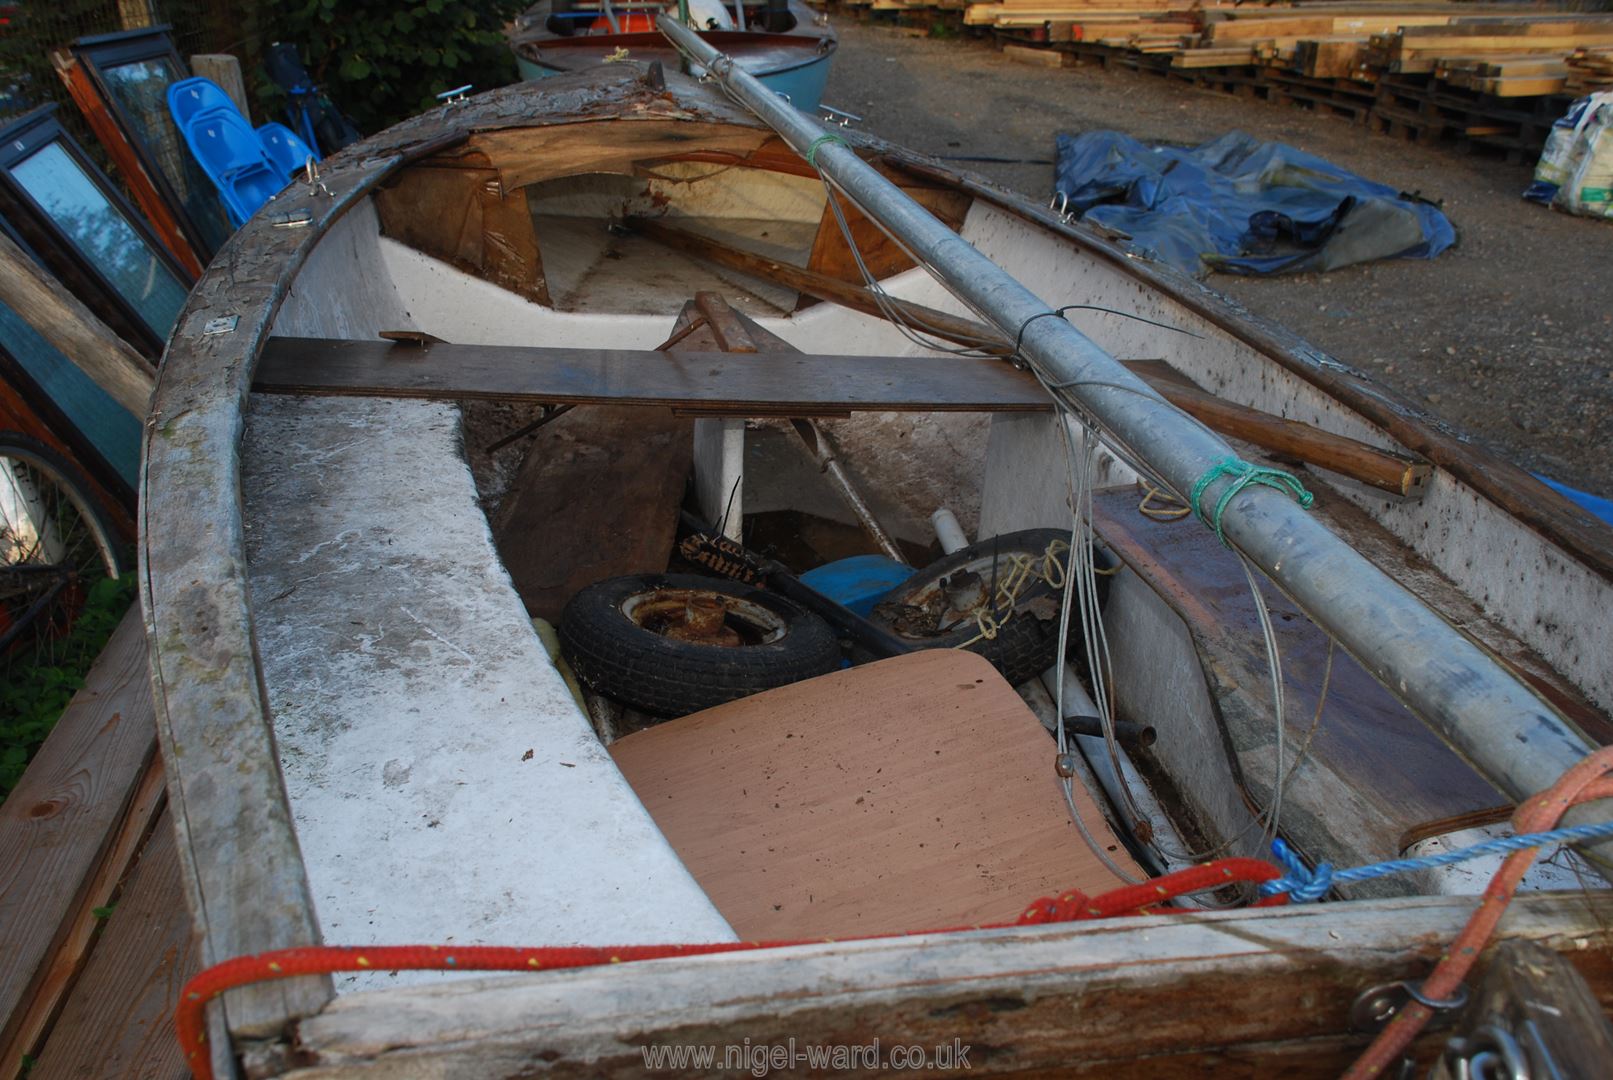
[812, 151]
[1303, 885]
[1243, 474]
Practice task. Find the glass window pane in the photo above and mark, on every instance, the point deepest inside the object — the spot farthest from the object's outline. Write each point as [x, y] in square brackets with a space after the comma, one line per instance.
[102, 234]
[110, 428]
[141, 91]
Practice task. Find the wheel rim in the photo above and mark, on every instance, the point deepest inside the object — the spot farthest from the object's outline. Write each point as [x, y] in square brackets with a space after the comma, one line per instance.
[704, 617]
[51, 551]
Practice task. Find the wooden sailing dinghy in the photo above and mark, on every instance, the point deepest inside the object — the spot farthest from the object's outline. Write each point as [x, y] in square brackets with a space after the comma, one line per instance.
[367, 743]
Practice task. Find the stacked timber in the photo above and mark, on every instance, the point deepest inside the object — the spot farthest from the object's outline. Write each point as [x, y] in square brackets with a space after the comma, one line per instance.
[1589, 70]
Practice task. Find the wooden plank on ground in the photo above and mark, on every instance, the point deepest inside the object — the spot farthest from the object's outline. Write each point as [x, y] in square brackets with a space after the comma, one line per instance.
[61, 822]
[118, 1022]
[742, 384]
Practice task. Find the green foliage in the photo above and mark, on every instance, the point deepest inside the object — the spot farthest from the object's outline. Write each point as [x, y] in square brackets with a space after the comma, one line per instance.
[37, 688]
[382, 61]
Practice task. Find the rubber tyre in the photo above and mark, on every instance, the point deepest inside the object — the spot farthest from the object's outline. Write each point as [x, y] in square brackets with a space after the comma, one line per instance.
[1025, 646]
[665, 677]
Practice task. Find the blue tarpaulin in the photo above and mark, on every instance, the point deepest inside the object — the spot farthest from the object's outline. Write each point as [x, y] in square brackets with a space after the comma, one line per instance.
[1241, 205]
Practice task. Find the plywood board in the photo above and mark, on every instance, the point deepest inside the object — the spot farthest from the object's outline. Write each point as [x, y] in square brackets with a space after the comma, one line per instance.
[909, 794]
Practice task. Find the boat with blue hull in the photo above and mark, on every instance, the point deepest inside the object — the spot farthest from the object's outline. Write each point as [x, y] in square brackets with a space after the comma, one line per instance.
[786, 44]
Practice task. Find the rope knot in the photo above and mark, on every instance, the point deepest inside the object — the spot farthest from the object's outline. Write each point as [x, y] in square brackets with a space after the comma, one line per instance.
[812, 151]
[1302, 884]
[1242, 474]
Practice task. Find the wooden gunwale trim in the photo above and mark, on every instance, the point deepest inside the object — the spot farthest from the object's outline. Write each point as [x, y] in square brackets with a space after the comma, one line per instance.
[1581, 536]
[244, 878]
[1044, 997]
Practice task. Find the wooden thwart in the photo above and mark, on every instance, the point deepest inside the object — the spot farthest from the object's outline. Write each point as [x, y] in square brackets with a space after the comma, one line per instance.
[1398, 473]
[736, 383]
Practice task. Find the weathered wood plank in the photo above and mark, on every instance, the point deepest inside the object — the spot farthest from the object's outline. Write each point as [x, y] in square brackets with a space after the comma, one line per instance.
[641, 459]
[1220, 985]
[1398, 770]
[39, 300]
[744, 383]
[118, 1022]
[60, 824]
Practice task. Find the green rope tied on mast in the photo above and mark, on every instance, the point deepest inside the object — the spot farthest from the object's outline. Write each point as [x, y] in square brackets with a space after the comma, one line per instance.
[1242, 474]
[812, 151]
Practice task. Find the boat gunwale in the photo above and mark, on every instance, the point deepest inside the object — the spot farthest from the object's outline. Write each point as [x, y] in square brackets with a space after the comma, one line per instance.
[194, 587]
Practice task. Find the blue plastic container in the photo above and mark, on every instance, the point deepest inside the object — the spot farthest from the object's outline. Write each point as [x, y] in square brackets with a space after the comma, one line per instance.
[858, 582]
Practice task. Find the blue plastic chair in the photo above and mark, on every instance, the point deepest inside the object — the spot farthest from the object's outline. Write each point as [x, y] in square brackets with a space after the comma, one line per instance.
[284, 149]
[189, 98]
[229, 152]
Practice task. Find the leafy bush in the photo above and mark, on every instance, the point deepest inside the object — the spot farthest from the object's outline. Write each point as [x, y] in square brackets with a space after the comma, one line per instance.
[37, 687]
[382, 61]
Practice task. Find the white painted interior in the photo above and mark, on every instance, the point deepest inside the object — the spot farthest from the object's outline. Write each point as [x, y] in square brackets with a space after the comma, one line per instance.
[444, 784]
[1522, 581]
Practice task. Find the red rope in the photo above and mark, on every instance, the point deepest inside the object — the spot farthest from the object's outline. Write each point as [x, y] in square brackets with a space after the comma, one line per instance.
[190, 1018]
[1584, 782]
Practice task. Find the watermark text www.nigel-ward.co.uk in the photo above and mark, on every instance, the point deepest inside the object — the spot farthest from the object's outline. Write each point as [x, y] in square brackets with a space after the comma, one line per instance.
[760, 1059]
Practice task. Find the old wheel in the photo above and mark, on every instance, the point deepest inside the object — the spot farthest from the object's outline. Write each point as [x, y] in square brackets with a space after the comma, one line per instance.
[54, 543]
[674, 644]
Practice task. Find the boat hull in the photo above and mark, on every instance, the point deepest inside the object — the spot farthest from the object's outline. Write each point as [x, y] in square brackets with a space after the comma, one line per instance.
[802, 85]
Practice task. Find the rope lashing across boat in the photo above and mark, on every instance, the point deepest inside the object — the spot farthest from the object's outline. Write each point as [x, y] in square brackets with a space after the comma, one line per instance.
[1303, 885]
[1242, 474]
[190, 1017]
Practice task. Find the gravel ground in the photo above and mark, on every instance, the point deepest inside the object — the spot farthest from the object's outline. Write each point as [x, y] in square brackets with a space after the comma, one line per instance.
[1508, 336]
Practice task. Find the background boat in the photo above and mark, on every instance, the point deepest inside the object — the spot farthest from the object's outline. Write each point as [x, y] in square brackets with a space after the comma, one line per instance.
[785, 43]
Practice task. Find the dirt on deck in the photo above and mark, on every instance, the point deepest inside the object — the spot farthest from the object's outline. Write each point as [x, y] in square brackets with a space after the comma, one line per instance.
[1508, 336]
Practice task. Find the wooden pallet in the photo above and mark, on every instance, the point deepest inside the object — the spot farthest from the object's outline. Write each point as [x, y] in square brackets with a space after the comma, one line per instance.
[98, 934]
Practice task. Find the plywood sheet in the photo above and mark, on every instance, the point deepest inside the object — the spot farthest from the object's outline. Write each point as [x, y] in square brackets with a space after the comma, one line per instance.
[909, 794]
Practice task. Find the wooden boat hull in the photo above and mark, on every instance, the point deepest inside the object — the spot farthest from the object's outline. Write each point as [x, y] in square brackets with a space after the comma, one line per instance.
[281, 602]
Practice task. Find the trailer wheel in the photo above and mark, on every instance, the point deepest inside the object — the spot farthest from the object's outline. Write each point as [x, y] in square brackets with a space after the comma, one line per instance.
[671, 644]
[934, 609]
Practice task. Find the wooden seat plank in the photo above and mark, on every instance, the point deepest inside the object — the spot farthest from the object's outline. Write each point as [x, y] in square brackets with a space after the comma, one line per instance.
[909, 794]
[741, 383]
[1367, 738]
[62, 821]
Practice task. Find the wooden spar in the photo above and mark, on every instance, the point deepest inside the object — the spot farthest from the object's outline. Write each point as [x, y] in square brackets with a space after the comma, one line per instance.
[1451, 683]
[1388, 470]
[942, 324]
[41, 301]
[82, 90]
